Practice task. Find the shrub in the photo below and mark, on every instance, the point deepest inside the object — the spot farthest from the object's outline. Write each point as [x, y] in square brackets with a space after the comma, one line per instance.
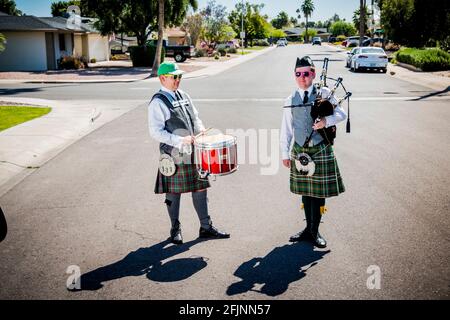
[262, 43]
[70, 63]
[222, 52]
[232, 50]
[426, 59]
[340, 38]
[93, 60]
[143, 56]
[392, 46]
[200, 53]
[216, 56]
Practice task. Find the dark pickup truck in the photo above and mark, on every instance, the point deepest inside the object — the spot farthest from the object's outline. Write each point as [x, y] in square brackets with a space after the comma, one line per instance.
[179, 53]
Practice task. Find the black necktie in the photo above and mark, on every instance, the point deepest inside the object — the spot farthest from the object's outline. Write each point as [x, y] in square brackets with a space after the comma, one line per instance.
[305, 97]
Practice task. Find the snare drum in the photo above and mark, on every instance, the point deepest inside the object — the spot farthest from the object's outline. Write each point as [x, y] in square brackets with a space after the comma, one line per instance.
[216, 154]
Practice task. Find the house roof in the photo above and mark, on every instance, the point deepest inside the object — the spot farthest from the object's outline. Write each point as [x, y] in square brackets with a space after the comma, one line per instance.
[174, 32]
[299, 31]
[60, 23]
[23, 23]
[32, 23]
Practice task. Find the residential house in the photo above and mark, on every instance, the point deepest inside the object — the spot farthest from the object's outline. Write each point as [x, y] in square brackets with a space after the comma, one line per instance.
[36, 44]
[297, 32]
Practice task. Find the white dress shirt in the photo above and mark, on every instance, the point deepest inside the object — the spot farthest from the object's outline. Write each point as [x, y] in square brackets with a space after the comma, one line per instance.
[287, 131]
[158, 114]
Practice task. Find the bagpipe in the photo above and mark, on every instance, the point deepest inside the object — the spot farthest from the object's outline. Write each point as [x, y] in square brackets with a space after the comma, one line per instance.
[323, 107]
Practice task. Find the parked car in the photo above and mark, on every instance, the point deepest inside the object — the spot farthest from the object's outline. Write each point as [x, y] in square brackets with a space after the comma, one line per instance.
[332, 39]
[350, 55]
[353, 41]
[372, 41]
[179, 53]
[284, 40]
[281, 43]
[316, 40]
[368, 58]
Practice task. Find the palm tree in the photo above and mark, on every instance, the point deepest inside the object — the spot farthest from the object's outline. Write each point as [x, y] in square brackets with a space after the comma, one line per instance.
[181, 7]
[307, 9]
[157, 60]
[362, 20]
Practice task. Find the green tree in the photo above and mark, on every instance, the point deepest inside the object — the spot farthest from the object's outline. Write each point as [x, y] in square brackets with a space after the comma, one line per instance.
[396, 18]
[9, 7]
[175, 16]
[307, 8]
[309, 33]
[193, 25]
[277, 33]
[281, 21]
[214, 17]
[137, 17]
[356, 19]
[342, 27]
[293, 21]
[255, 25]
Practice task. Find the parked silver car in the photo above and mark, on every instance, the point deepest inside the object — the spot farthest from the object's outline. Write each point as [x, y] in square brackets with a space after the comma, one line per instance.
[368, 58]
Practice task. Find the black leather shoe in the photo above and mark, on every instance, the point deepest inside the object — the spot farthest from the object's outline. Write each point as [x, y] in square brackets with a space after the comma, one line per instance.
[304, 235]
[175, 236]
[319, 241]
[212, 233]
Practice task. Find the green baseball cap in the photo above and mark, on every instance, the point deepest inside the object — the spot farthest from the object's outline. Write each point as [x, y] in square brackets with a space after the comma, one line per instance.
[169, 68]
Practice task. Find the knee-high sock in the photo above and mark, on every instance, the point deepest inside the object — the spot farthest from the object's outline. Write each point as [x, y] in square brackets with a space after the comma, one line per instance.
[316, 203]
[307, 208]
[200, 201]
[173, 207]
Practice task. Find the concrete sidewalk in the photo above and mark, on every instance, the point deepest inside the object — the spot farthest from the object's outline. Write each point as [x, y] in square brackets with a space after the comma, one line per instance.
[29, 145]
[122, 71]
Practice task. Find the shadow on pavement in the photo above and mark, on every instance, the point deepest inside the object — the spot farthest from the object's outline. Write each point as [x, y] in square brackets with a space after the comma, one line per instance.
[147, 261]
[276, 270]
[10, 92]
[3, 226]
[432, 94]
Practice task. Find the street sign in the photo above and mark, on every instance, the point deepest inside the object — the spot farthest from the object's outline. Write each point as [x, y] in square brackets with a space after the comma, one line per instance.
[242, 35]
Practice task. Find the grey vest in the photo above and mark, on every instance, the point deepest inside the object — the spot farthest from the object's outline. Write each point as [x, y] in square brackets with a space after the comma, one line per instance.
[302, 121]
[181, 120]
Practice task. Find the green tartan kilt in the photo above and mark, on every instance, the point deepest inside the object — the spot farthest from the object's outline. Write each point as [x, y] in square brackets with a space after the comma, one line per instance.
[325, 182]
[185, 179]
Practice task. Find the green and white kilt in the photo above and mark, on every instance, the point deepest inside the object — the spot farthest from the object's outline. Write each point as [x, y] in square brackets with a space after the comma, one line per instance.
[325, 182]
[185, 179]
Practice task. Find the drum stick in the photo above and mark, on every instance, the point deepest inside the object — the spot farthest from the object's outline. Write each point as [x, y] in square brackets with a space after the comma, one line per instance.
[202, 133]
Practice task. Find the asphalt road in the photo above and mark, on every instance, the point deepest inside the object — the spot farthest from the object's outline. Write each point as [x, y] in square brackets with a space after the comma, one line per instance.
[93, 205]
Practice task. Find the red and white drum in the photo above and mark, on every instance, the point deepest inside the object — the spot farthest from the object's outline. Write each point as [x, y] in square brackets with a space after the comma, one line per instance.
[216, 154]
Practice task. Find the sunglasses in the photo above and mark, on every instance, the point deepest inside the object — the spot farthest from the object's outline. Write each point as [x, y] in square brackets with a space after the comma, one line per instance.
[175, 76]
[305, 74]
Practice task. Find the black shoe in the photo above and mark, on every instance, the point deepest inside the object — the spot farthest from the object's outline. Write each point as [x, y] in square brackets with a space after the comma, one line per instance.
[319, 241]
[212, 233]
[304, 235]
[175, 235]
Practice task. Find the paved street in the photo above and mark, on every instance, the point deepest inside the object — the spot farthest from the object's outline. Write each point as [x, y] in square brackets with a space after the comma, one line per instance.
[93, 205]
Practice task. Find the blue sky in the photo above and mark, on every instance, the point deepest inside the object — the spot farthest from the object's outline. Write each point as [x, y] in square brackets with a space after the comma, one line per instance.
[324, 9]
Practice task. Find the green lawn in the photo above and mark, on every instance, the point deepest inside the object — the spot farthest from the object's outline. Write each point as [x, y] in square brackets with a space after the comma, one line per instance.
[11, 116]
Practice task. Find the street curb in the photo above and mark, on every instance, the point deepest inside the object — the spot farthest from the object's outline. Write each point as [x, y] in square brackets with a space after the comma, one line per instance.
[69, 81]
[409, 67]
